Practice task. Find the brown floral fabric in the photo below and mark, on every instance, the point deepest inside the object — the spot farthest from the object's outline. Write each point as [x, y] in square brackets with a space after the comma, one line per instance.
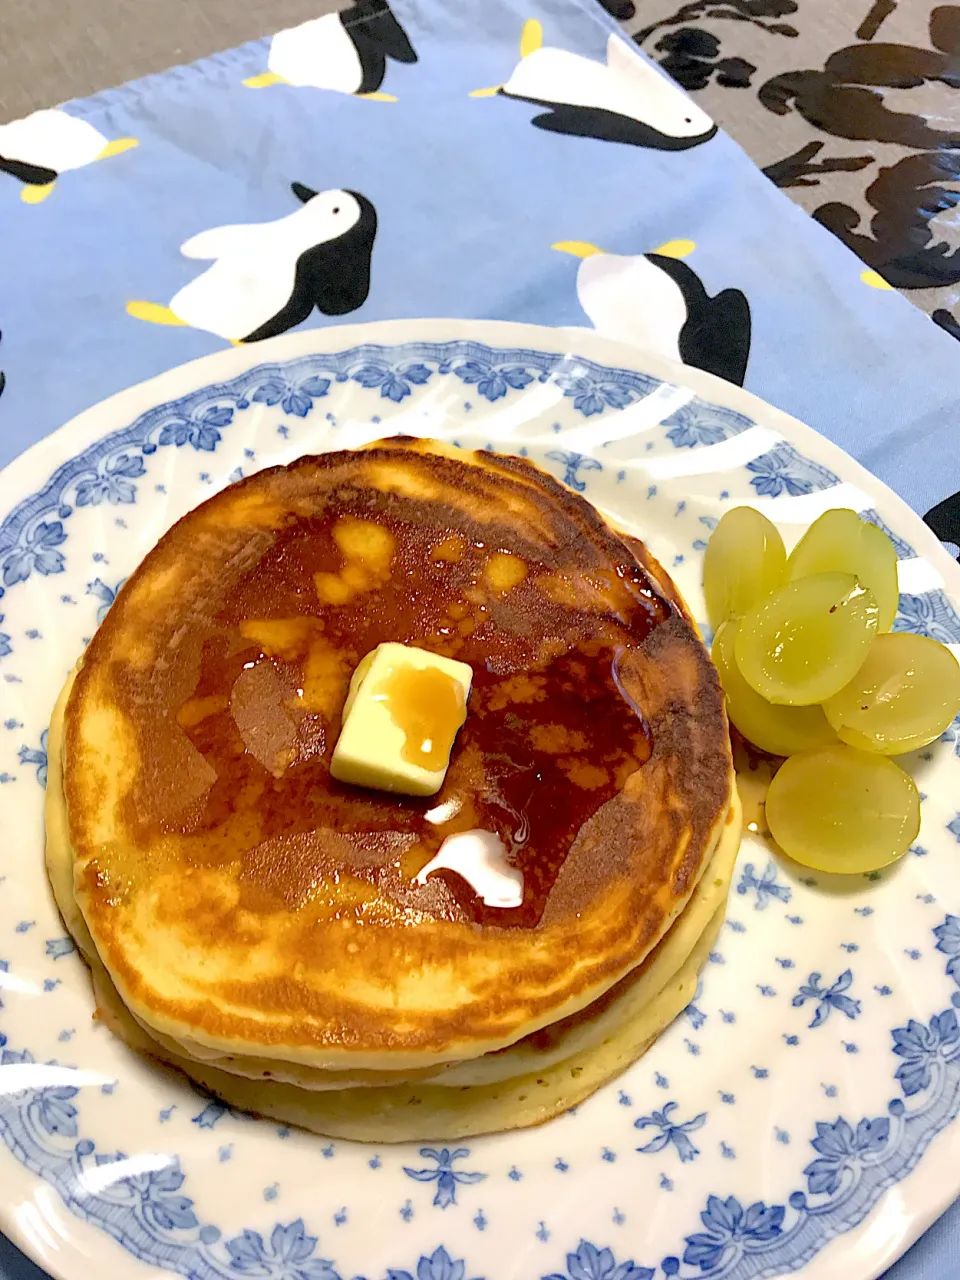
[853, 109]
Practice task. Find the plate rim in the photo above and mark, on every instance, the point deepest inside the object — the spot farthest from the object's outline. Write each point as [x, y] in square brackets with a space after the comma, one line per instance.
[592, 345]
[31, 469]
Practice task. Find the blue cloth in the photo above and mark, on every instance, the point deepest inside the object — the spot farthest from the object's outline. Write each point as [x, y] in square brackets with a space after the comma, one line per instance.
[469, 196]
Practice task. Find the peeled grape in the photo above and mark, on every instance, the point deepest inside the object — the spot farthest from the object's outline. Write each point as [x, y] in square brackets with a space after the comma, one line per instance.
[783, 731]
[805, 642]
[745, 560]
[840, 542]
[842, 810]
[905, 694]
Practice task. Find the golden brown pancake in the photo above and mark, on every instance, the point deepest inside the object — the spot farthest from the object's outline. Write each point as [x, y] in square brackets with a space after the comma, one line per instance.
[538, 1077]
[424, 1110]
[585, 1036]
[244, 903]
[550, 1071]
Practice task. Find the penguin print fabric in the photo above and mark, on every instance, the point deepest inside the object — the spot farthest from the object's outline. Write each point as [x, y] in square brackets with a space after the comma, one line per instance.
[268, 277]
[944, 520]
[657, 302]
[346, 52]
[37, 149]
[356, 168]
[622, 99]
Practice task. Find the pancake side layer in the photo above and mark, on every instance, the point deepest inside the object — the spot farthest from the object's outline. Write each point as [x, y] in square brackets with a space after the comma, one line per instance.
[406, 1113]
[587, 1030]
[415, 1110]
[535, 1079]
[247, 907]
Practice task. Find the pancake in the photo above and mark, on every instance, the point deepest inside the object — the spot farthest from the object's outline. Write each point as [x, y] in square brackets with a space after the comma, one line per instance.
[539, 1077]
[427, 1111]
[252, 917]
[588, 1029]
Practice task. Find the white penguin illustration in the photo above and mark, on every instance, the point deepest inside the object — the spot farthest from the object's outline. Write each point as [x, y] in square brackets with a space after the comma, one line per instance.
[267, 277]
[625, 99]
[346, 52]
[656, 302]
[41, 146]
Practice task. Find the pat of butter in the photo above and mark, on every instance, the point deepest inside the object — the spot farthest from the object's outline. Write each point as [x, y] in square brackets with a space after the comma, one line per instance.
[480, 858]
[403, 710]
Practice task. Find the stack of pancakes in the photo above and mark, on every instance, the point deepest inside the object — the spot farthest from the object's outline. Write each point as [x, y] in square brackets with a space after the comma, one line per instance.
[265, 928]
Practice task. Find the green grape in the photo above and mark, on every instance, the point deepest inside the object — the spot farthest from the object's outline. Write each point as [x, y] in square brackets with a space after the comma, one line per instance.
[745, 560]
[840, 542]
[905, 694]
[842, 810]
[783, 731]
[805, 642]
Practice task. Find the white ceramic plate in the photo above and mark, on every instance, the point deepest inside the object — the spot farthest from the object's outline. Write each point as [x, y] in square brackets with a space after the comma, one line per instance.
[798, 1116]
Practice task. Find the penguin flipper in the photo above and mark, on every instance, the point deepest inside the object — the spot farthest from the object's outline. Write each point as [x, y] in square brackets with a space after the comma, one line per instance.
[581, 122]
[289, 316]
[338, 279]
[218, 242]
[33, 175]
[716, 337]
[610, 126]
[373, 21]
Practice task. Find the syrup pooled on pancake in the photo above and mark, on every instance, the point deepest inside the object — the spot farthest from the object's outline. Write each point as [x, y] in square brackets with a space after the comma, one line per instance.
[246, 903]
[550, 737]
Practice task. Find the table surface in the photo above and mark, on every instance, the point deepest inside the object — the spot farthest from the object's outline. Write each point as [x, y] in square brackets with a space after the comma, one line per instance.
[55, 52]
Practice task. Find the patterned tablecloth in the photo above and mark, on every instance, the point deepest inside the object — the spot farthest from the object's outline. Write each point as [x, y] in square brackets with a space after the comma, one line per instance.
[365, 167]
[853, 109]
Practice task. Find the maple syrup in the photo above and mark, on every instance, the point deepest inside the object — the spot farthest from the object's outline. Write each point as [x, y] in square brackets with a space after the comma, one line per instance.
[549, 738]
[427, 706]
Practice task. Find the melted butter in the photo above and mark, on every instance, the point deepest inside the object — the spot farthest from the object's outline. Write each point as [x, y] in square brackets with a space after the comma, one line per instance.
[279, 637]
[367, 549]
[480, 858]
[753, 786]
[428, 707]
[365, 541]
[326, 677]
[754, 771]
[196, 709]
[449, 550]
[504, 571]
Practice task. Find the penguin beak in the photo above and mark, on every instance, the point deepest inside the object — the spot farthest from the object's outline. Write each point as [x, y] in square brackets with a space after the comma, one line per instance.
[485, 93]
[675, 249]
[301, 192]
[117, 147]
[576, 248]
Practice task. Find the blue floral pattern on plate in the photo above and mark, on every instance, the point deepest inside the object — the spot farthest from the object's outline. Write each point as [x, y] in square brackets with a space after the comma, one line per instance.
[784, 470]
[828, 998]
[699, 423]
[148, 1212]
[687, 1121]
[443, 1173]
